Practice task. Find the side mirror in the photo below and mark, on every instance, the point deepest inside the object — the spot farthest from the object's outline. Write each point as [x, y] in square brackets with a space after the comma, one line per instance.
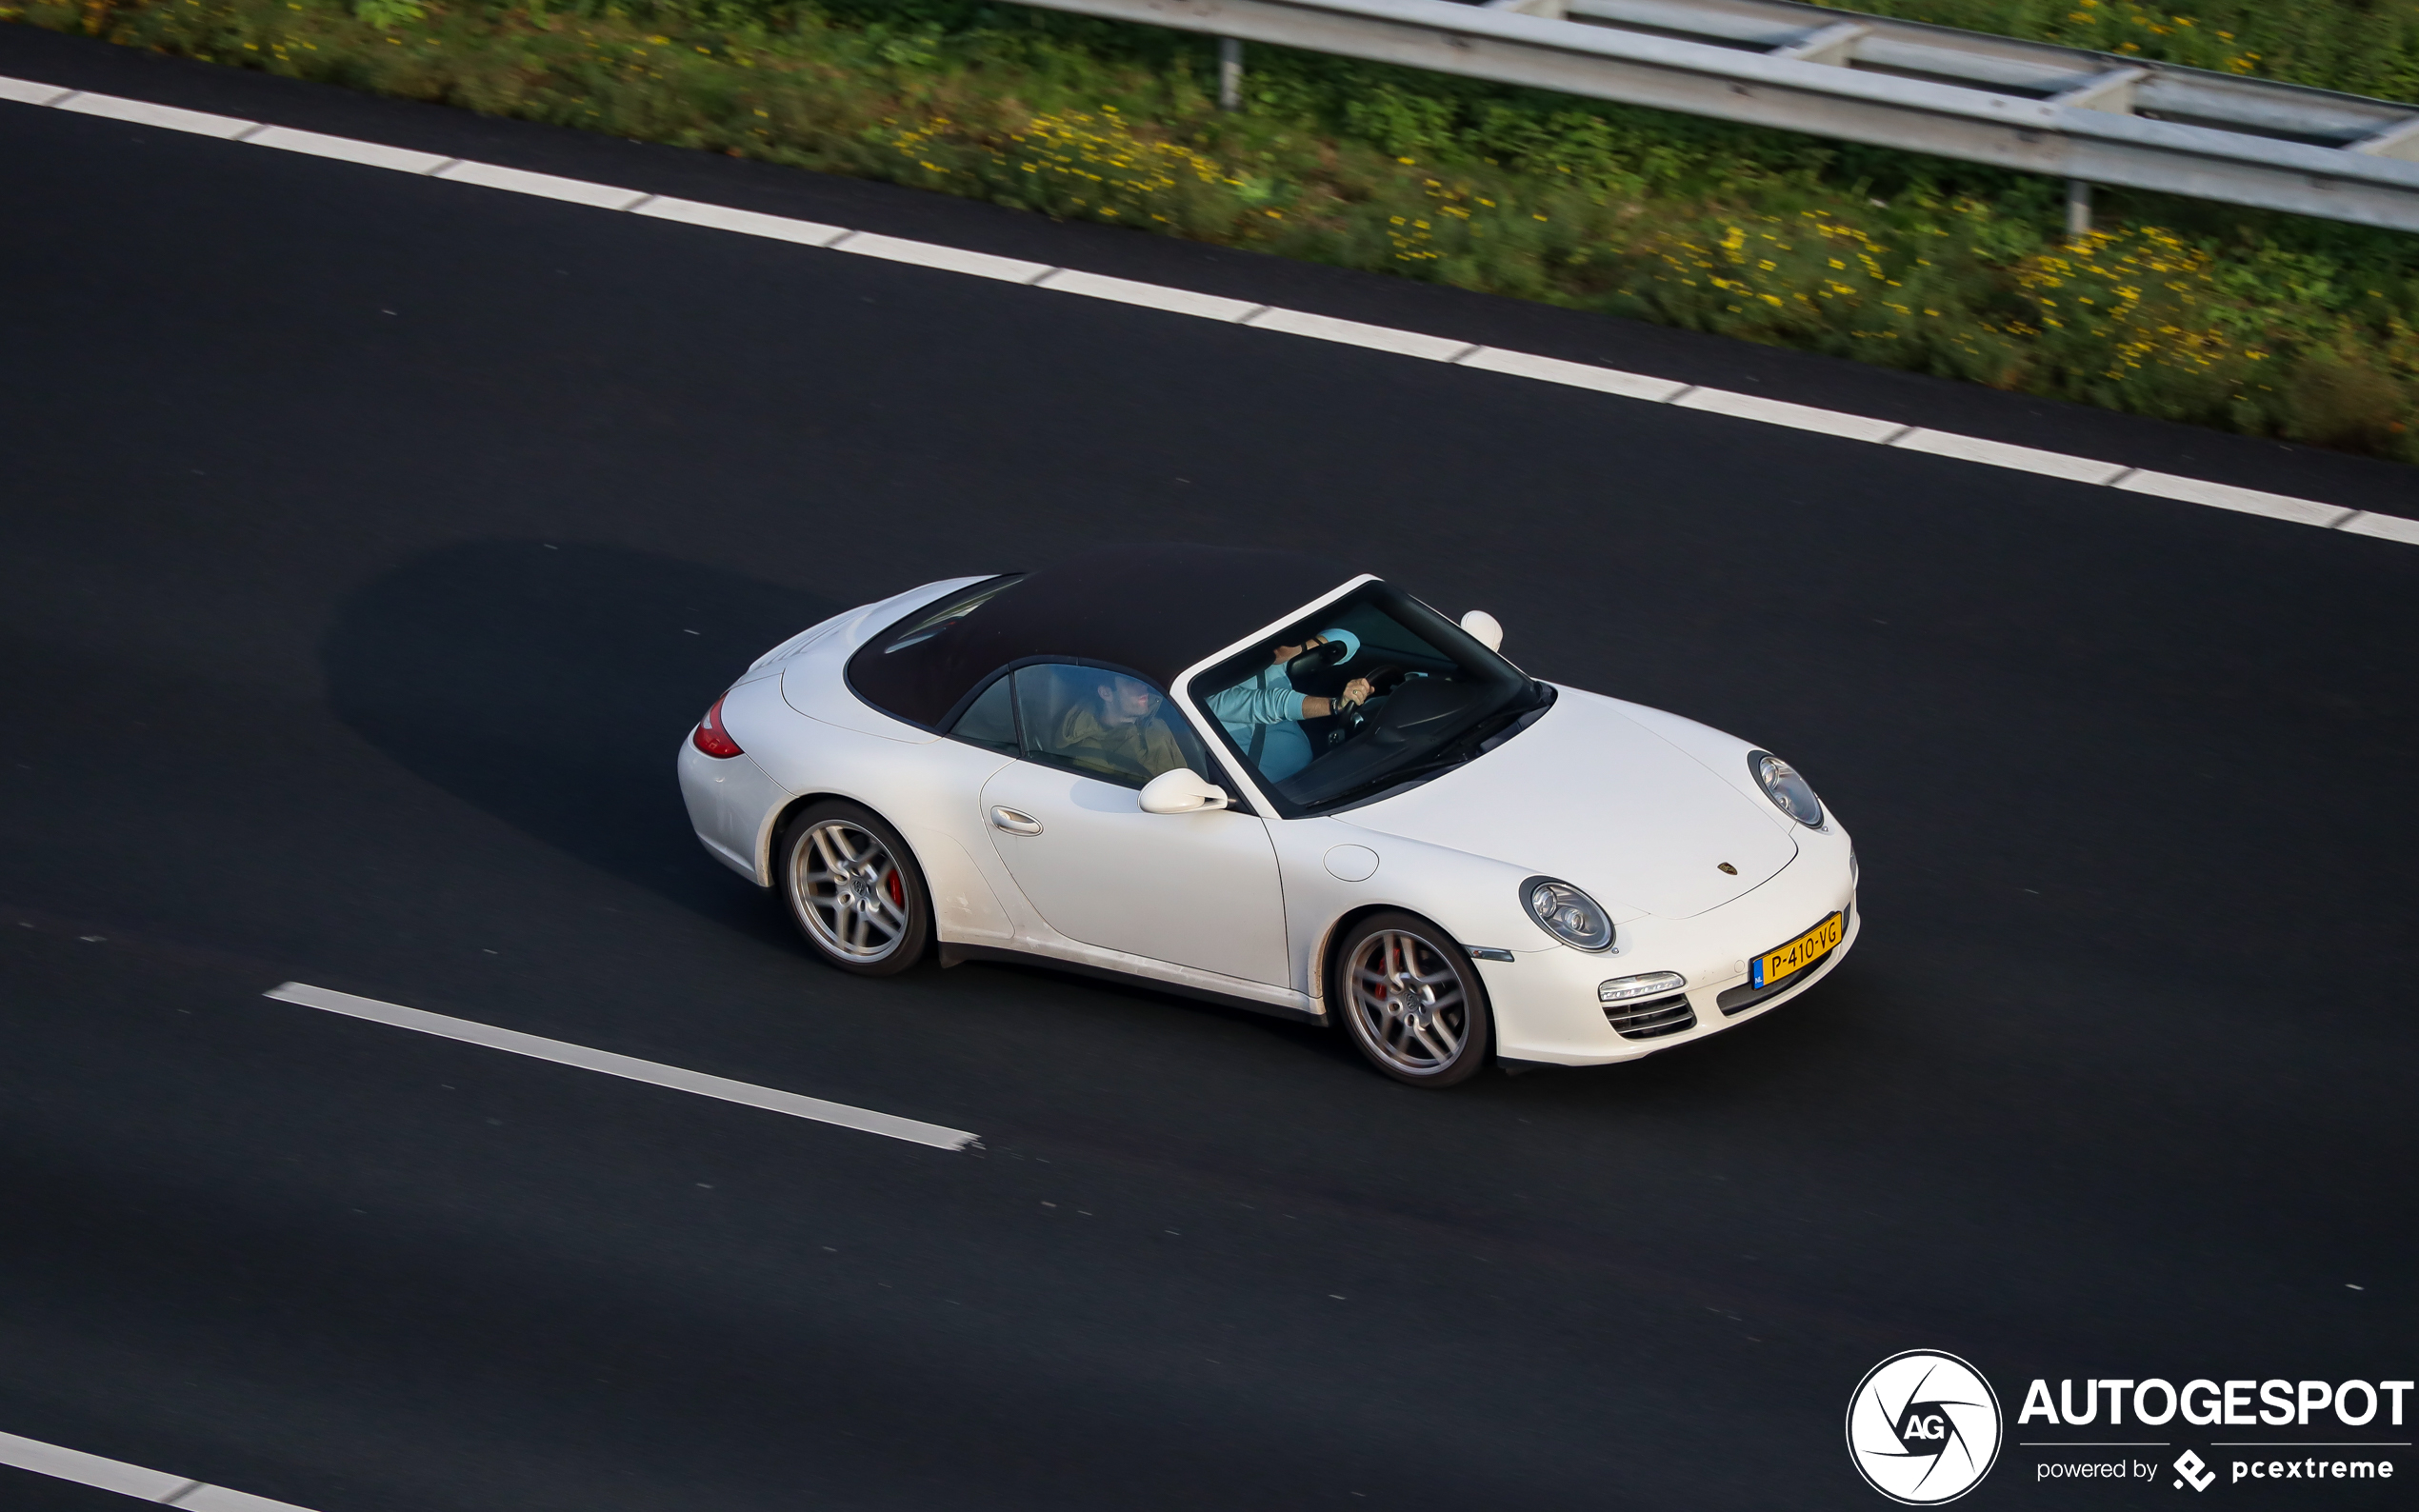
[1484, 628]
[1181, 791]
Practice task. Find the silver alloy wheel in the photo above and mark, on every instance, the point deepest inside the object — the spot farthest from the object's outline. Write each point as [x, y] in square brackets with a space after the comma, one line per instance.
[1406, 1001]
[848, 891]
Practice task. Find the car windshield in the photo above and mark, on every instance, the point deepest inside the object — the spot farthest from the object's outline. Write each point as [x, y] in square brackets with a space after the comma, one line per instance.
[1374, 692]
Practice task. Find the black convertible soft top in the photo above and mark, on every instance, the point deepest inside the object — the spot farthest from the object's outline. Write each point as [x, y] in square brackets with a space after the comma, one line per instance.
[1153, 609]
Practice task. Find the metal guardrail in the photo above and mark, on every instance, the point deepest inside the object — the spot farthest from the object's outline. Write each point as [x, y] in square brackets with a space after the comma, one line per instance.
[2086, 117]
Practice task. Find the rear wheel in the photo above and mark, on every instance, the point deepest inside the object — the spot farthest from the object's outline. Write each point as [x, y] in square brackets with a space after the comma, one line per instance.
[853, 889]
[1411, 1001]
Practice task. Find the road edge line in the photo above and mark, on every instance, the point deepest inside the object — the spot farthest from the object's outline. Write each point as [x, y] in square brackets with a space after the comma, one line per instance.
[1755, 409]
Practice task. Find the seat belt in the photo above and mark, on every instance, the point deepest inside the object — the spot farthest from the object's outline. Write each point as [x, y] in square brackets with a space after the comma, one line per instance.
[1259, 731]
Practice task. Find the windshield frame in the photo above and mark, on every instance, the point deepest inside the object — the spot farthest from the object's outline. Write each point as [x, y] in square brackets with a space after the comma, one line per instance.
[1460, 646]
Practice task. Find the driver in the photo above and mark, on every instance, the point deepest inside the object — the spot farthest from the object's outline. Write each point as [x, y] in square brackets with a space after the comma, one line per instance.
[1264, 713]
[1120, 733]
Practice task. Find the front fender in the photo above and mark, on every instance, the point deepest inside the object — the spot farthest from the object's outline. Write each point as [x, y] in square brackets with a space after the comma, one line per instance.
[1328, 874]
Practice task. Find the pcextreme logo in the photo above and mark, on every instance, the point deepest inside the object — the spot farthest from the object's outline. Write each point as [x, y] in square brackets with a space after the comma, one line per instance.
[1923, 1427]
[2191, 1467]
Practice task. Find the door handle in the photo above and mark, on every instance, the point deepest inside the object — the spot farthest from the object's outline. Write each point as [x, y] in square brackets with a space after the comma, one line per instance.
[1015, 822]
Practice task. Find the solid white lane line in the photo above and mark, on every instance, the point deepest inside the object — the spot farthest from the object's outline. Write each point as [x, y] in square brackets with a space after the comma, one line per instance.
[948, 259]
[1782, 412]
[1354, 333]
[142, 112]
[2000, 455]
[346, 150]
[2384, 527]
[2243, 501]
[564, 1053]
[1753, 407]
[1149, 296]
[130, 1480]
[746, 223]
[545, 185]
[26, 91]
[1575, 374]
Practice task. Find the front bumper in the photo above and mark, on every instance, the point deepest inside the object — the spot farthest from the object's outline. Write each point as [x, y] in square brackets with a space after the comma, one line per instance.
[1545, 1001]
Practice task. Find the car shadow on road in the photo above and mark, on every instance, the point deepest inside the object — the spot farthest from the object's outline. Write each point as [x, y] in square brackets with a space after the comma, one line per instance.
[549, 683]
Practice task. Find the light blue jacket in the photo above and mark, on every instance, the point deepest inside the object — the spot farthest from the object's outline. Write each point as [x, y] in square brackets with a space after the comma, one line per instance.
[1269, 698]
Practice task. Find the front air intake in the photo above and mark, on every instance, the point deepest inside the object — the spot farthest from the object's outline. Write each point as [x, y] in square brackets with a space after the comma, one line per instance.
[1652, 1019]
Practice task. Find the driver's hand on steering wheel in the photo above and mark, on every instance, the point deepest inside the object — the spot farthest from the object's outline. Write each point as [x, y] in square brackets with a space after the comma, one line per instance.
[1355, 691]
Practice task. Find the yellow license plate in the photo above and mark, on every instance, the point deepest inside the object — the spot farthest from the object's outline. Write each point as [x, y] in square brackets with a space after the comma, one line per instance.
[1798, 954]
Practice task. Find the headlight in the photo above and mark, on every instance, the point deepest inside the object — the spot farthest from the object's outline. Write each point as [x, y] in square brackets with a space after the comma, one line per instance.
[1566, 913]
[1654, 983]
[1789, 792]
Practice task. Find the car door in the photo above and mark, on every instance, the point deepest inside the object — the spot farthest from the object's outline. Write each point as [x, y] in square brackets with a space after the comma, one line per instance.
[1196, 891]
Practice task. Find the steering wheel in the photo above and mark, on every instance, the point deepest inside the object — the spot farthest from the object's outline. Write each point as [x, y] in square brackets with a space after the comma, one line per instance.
[1350, 722]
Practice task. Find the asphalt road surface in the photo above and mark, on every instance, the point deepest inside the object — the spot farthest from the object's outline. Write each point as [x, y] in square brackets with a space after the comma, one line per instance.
[368, 544]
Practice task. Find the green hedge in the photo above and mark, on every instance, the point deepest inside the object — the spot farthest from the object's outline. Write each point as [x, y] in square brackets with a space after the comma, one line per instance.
[2263, 324]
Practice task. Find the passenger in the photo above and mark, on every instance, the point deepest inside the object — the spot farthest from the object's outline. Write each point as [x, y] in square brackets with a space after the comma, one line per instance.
[1121, 735]
[1264, 713]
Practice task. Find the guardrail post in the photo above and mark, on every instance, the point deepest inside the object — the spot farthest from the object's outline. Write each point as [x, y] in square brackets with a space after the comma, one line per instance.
[1834, 44]
[2078, 209]
[1230, 73]
[2400, 140]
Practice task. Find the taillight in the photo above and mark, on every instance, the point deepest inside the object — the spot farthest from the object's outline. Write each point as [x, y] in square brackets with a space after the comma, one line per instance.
[710, 737]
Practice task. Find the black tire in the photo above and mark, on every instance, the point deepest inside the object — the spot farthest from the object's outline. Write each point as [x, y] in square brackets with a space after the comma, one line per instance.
[1411, 1001]
[853, 889]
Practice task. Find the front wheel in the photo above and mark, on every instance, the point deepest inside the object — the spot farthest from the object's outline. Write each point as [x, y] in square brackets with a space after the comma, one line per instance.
[1412, 1001]
[854, 890]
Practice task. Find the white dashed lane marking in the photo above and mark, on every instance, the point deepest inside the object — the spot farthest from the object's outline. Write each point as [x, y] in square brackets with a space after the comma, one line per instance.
[131, 1480]
[629, 1067]
[1750, 407]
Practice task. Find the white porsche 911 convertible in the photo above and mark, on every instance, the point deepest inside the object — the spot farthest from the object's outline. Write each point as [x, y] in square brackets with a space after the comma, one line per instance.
[1226, 774]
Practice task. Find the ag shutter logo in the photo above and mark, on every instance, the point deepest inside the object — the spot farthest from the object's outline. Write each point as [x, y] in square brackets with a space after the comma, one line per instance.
[1923, 1427]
